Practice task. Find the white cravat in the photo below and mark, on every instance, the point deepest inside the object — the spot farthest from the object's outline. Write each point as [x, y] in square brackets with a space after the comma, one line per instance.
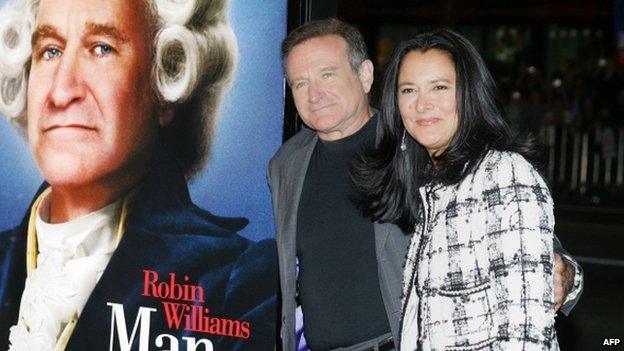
[71, 258]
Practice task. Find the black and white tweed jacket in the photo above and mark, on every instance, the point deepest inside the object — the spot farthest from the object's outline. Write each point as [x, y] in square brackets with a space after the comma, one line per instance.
[479, 273]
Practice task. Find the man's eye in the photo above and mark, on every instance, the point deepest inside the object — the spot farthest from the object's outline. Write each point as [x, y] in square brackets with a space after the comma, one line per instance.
[327, 75]
[299, 85]
[50, 54]
[102, 50]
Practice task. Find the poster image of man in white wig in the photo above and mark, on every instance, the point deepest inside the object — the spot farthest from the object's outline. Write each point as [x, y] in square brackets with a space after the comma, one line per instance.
[117, 100]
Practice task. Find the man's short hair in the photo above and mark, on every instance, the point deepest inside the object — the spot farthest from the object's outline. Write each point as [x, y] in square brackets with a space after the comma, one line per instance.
[194, 56]
[356, 48]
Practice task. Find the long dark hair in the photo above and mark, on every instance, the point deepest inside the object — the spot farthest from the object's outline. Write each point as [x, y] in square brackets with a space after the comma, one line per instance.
[387, 178]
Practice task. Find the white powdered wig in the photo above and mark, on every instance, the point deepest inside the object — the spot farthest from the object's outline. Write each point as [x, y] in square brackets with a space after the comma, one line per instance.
[194, 66]
[178, 54]
[175, 11]
[15, 29]
[182, 11]
[16, 26]
[13, 98]
[184, 57]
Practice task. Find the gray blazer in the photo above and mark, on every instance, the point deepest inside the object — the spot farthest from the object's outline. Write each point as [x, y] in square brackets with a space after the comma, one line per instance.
[286, 174]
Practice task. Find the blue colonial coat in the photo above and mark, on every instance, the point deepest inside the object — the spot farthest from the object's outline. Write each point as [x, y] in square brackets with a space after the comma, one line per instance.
[166, 233]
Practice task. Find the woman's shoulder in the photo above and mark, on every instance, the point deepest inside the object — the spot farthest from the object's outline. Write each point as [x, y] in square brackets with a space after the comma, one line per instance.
[505, 159]
[507, 168]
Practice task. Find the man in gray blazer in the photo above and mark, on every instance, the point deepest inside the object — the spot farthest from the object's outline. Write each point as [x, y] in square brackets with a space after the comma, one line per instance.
[344, 271]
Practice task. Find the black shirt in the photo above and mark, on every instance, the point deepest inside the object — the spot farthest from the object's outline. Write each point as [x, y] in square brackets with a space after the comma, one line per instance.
[338, 280]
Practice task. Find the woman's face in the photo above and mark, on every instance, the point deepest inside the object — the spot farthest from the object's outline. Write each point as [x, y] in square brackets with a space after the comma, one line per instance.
[427, 103]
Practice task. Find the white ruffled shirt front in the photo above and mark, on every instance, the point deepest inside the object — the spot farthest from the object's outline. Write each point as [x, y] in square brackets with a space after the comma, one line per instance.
[71, 259]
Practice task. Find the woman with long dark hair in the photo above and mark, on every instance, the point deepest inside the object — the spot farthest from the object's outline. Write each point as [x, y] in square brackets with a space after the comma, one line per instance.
[448, 169]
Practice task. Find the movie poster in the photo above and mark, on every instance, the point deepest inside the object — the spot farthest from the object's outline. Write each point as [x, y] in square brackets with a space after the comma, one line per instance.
[180, 271]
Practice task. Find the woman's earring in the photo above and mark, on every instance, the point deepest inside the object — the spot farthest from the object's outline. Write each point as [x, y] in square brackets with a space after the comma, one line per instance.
[403, 146]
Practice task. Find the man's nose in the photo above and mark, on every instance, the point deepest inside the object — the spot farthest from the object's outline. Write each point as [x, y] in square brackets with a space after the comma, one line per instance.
[315, 92]
[67, 86]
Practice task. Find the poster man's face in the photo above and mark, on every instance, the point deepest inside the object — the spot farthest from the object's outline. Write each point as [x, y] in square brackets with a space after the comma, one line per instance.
[91, 117]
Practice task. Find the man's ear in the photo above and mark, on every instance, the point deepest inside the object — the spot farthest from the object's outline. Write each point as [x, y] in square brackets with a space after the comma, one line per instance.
[165, 117]
[366, 75]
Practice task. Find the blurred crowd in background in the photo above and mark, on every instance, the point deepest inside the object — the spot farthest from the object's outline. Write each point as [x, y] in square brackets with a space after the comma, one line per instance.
[578, 112]
[582, 96]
